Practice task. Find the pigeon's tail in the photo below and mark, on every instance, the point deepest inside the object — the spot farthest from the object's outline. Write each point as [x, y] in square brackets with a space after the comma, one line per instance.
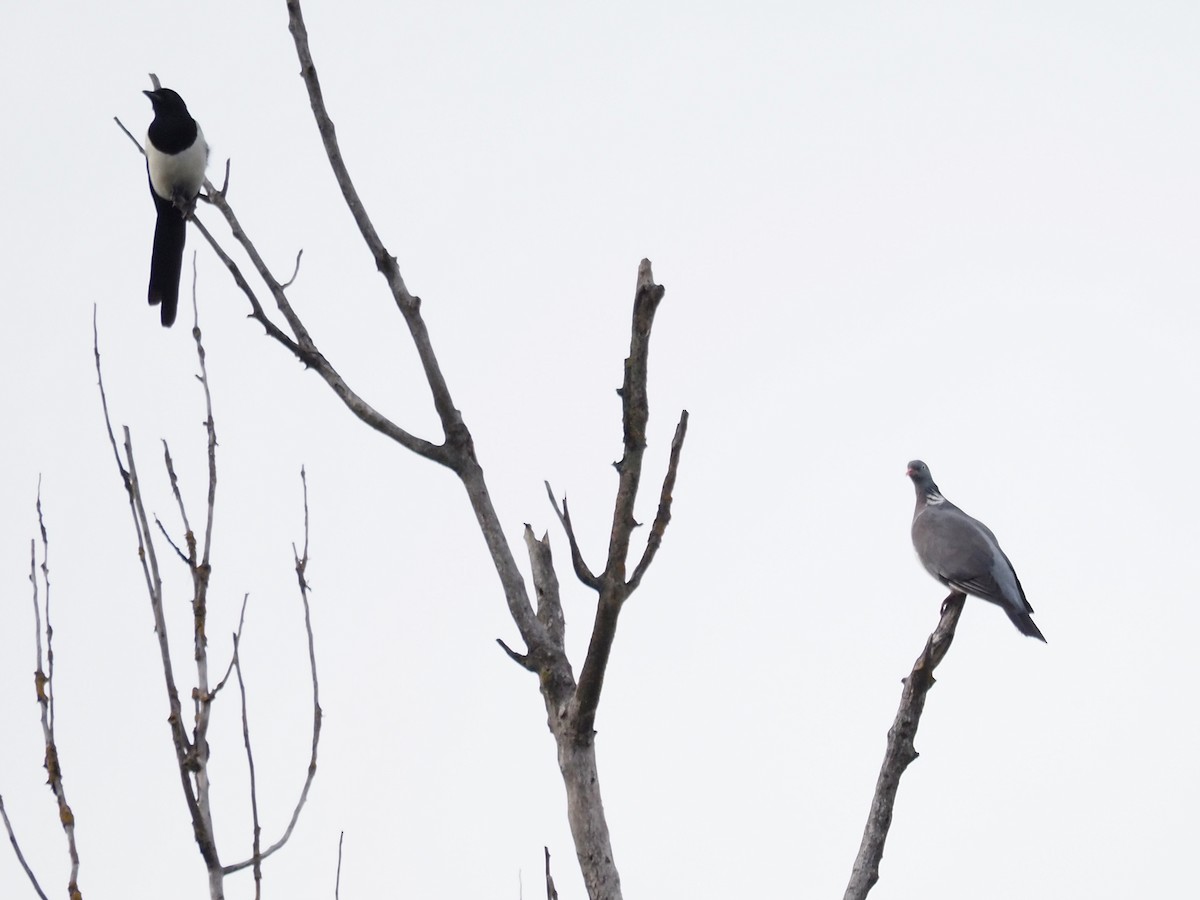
[1025, 625]
[166, 261]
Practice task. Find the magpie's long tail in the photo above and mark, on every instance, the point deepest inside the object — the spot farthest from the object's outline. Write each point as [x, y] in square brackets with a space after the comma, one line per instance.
[166, 260]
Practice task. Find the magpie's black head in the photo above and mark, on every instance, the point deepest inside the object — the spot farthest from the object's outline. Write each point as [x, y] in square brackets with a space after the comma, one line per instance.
[166, 100]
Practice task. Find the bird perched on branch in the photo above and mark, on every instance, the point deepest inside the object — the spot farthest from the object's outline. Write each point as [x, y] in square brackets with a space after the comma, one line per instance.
[176, 157]
[963, 554]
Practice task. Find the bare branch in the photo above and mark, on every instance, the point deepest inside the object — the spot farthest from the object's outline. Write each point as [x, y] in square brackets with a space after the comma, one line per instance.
[209, 427]
[295, 271]
[149, 559]
[162, 529]
[129, 135]
[900, 750]
[337, 883]
[44, 687]
[551, 892]
[237, 638]
[188, 534]
[409, 306]
[582, 572]
[257, 832]
[301, 566]
[545, 585]
[200, 571]
[303, 347]
[663, 517]
[635, 415]
[304, 555]
[384, 261]
[256, 310]
[525, 661]
[12, 839]
[112, 440]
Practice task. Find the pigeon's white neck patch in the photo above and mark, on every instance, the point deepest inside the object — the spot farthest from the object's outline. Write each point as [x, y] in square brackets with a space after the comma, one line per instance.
[933, 498]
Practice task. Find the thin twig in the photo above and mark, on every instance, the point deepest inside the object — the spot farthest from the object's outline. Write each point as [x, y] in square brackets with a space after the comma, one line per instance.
[900, 750]
[112, 440]
[295, 271]
[129, 134]
[44, 686]
[337, 883]
[663, 517]
[162, 529]
[210, 427]
[188, 535]
[551, 892]
[256, 310]
[301, 567]
[582, 571]
[237, 637]
[237, 665]
[12, 839]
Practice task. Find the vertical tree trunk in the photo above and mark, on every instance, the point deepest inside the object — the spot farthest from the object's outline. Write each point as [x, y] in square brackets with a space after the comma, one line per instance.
[585, 812]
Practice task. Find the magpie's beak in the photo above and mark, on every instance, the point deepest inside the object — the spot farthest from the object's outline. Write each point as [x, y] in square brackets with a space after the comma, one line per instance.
[151, 95]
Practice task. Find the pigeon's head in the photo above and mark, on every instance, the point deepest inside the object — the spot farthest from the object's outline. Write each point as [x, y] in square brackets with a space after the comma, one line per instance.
[919, 473]
[166, 100]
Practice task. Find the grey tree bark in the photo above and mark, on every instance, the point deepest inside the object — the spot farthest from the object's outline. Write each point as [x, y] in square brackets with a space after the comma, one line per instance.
[900, 750]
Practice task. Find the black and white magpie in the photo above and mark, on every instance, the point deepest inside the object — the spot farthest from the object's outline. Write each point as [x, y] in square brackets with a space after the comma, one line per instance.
[176, 157]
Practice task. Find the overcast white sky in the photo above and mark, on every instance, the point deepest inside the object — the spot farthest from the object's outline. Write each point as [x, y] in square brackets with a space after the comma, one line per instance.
[968, 235]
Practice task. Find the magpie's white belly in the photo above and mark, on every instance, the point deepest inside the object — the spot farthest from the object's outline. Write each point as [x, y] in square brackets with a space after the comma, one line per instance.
[177, 174]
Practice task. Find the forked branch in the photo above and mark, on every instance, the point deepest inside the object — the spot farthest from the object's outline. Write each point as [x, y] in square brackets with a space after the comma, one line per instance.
[613, 587]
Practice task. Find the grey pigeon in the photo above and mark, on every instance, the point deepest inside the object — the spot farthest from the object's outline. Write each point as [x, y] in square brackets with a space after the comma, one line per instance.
[963, 554]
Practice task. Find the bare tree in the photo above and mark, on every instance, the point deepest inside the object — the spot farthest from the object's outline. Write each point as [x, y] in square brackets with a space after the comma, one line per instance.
[571, 703]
